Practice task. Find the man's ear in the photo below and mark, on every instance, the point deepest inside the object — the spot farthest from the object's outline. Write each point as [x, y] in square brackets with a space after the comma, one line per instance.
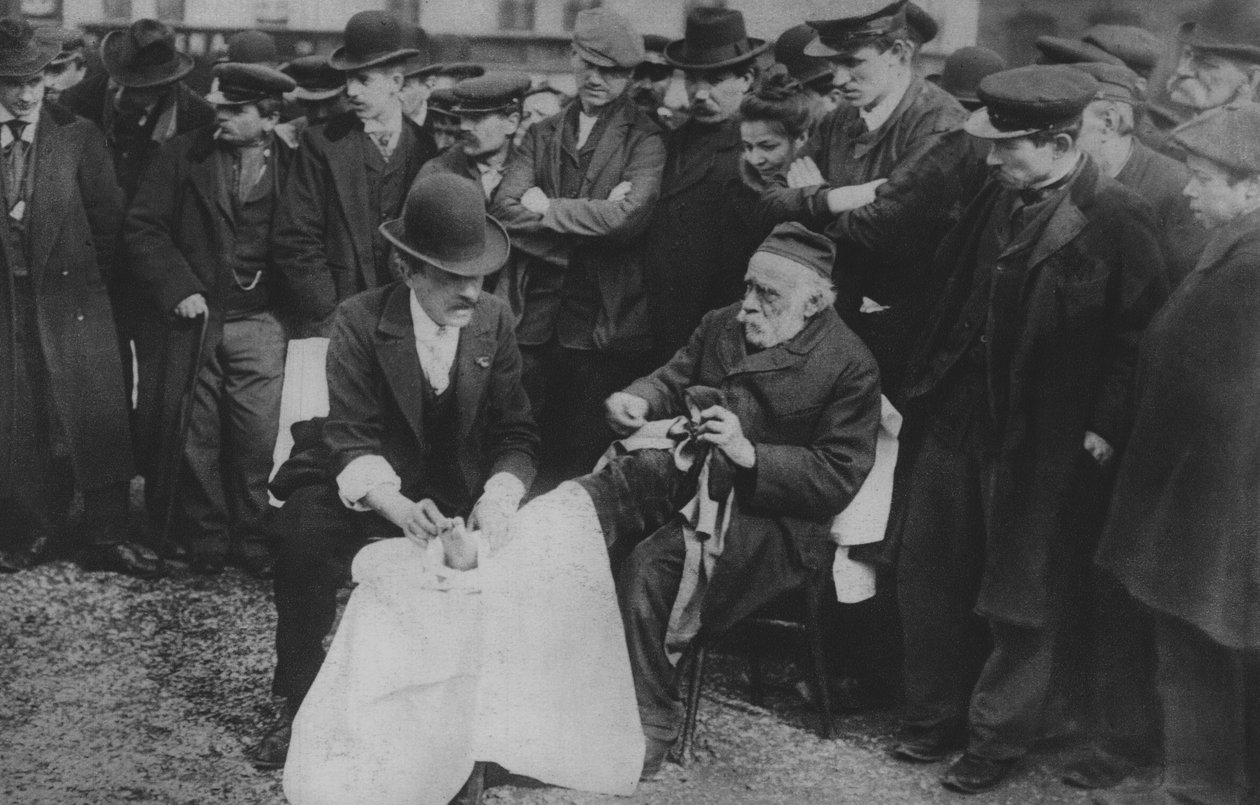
[515, 119]
[1063, 143]
[902, 50]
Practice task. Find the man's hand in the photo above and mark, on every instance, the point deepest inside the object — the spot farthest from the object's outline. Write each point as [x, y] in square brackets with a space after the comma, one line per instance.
[192, 307]
[1097, 447]
[491, 517]
[846, 199]
[536, 201]
[625, 413]
[804, 173]
[720, 428]
[619, 192]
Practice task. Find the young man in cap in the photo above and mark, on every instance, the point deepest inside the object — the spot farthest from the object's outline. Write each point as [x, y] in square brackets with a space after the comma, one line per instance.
[320, 94]
[427, 421]
[351, 173]
[893, 126]
[1220, 58]
[63, 413]
[200, 230]
[489, 110]
[651, 80]
[1018, 391]
[790, 439]
[69, 66]
[576, 198]
[813, 73]
[693, 255]
[440, 121]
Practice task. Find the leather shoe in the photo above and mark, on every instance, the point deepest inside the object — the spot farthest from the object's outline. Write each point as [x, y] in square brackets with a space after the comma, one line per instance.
[654, 756]
[257, 563]
[972, 774]
[123, 557]
[1096, 769]
[273, 748]
[928, 746]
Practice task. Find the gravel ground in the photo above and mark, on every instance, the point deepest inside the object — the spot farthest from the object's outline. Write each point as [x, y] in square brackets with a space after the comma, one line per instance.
[117, 690]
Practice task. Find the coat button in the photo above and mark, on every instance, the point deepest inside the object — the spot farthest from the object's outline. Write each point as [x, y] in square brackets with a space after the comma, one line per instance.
[65, 272]
[78, 315]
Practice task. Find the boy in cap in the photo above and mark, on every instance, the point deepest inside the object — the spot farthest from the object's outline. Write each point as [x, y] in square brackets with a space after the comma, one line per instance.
[200, 230]
[576, 198]
[1018, 390]
[651, 82]
[63, 412]
[69, 66]
[427, 421]
[440, 121]
[351, 173]
[319, 93]
[813, 73]
[489, 109]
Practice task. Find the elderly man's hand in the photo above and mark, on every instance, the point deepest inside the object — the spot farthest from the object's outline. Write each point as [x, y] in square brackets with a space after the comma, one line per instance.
[1098, 447]
[625, 413]
[720, 428]
[536, 201]
[422, 521]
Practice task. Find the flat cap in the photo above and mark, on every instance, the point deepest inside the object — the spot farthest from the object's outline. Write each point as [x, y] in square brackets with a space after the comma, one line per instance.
[923, 26]
[315, 79]
[800, 244]
[252, 47]
[1115, 81]
[441, 103]
[1228, 135]
[239, 84]
[1026, 100]
[843, 25]
[1061, 50]
[491, 92]
[1138, 48]
[789, 50]
[607, 39]
[1230, 28]
[654, 48]
[965, 69]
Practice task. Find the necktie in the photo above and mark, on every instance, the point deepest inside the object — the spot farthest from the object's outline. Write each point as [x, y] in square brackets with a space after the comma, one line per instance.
[382, 141]
[15, 161]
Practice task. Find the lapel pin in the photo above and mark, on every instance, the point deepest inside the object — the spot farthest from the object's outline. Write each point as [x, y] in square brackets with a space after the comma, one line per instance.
[484, 361]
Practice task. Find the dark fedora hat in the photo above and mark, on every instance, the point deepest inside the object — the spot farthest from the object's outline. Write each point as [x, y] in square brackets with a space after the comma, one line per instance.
[144, 55]
[372, 38]
[714, 38]
[444, 223]
[22, 53]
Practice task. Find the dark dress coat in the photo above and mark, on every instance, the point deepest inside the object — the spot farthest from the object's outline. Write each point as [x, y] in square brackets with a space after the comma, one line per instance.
[585, 231]
[811, 407]
[74, 217]
[324, 229]
[1158, 180]
[1183, 534]
[177, 234]
[1093, 278]
[375, 392]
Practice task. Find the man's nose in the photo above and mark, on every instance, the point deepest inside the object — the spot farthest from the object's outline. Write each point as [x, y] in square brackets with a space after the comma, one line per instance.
[992, 159]
[1184, 68]
[840, 77]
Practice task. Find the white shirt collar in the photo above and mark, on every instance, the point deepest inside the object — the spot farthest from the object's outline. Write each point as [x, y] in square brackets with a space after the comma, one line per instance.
[28, 133]
[435, 346]
[879, 113]
[391, 121]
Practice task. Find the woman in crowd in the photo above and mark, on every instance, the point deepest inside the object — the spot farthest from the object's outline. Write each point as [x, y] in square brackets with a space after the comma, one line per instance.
[1183, 534]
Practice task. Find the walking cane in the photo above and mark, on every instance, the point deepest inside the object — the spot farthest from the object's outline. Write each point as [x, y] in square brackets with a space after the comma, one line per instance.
[176, 452]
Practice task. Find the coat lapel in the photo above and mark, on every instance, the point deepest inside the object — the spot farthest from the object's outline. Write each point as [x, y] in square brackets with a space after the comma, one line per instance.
[474, 362]
[611, 141]
[345, 162]
[56, 163]
[396, 350]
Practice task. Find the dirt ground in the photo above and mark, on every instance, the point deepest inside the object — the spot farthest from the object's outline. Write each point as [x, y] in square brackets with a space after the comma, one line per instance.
[114, 690]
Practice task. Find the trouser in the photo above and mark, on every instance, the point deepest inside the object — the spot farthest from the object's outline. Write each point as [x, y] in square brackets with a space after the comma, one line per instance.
[231, 436]
[1211, 701]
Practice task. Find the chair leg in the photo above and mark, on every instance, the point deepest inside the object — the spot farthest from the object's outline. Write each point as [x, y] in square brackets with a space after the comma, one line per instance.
[475, 789]
[814, 595]
[694, 677]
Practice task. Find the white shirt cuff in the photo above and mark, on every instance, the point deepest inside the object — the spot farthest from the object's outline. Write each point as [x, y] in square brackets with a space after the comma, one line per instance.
[506, 488]
[363, 475]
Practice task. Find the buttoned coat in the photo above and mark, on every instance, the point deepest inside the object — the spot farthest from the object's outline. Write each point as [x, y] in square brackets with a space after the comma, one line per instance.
[1094, 278]
[324, 228]
[811, 408]
[376, 392]
[587, 232]
[73, 219]
[1183, 533]
[176, 238]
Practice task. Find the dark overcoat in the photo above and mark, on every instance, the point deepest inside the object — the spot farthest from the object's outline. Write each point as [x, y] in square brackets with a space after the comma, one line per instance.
[1094, 278]
[1183, 533]
[1159, 179]
[324, 228]
[811, 407]
[584, 232]
[74, 219]
[376, 389]
[177, 235]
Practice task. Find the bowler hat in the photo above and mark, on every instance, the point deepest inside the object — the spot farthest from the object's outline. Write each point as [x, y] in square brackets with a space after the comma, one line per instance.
[444, 223]
[1026, 100]
[1061, 50]
[372, 39]
[1228, 135]
[801, 245]
[144, 55]
[789, 50]
[714, 38]
[252, 47]
[607, 39]
[239, 84]
[923, 26]
[849, 24]
[1137, 47]
[315, 80]
[965, 68]
[492, 92]
[69, 43]
[1230, 29]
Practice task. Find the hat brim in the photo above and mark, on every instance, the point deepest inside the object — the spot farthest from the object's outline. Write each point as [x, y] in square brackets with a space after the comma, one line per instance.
[341, 60]
[1188, 35]
[675, 56]
[113, 55]
[41, 56]
[303, 94]
[599, 59]
[979, 125]
[491, 259]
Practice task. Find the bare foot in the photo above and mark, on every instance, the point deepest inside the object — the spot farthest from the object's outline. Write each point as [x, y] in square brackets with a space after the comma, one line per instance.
[459, 546]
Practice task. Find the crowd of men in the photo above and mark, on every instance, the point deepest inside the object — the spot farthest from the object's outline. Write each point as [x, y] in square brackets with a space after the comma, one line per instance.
[986, 248]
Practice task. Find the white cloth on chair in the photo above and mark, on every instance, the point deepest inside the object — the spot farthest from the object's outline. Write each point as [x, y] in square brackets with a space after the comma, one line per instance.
[521, 662]
[304, 395]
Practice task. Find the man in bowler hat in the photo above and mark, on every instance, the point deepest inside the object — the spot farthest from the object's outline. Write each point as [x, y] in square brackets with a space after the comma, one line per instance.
[427, 421]
[351, 174]
[1219, 61]
[1018, 395]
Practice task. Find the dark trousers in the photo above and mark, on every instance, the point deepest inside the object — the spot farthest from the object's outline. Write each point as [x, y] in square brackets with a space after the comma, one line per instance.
[1211, 701]
[319, 538]
[231, 436]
